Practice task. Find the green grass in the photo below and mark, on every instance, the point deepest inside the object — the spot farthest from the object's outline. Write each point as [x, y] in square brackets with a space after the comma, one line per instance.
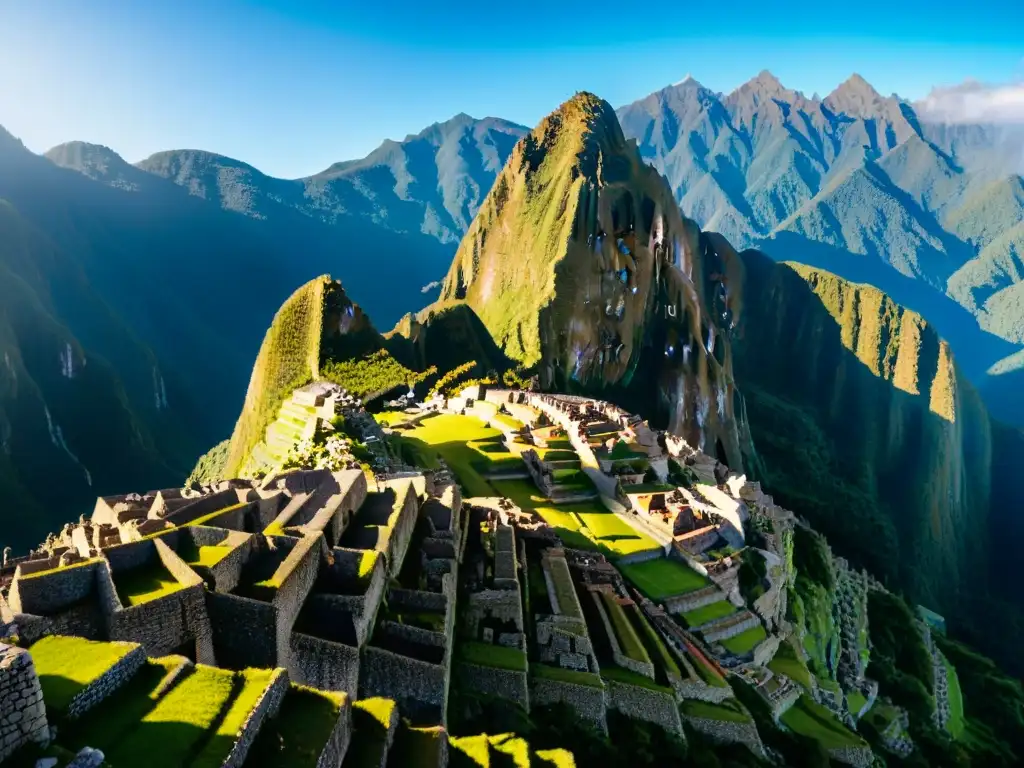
[663, 578]
[745, 641]
[205, 556]
[729, 711]
[581, 525]
[808, 718]
[250, 685]
[628, 677]
[509, 421]
[371, 720]
[168, 735]
[377, 373]
[788, 663]
[487, 655]
[450, 437]
[67, 665]
[297, 735]
[656, 647]
[547, 672]
[140, 585]
[628, 639]
[956, 723]
[288, 358]
[103, 727]
[565, 591]
[855, 701]
[709, 612]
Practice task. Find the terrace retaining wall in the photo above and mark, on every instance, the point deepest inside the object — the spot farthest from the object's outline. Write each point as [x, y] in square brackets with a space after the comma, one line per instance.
[508, 684]
[22, 711]
[165, 624]
[401, 678]
[727, 732]
[341, 736]
[244, 631]
[324, 664]
[301, 566]
[48, 593]
[644, 704]
[860, 757]
[267, 706]
[588, 702]
[107, 683]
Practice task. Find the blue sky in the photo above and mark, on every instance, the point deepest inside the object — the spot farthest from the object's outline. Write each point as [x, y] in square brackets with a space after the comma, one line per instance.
[292, 87]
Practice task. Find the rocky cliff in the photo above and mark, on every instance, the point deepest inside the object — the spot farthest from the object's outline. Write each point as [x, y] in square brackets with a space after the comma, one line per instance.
[581, 268]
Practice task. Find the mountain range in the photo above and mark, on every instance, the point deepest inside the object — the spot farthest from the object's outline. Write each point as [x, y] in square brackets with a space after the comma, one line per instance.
[856, 183]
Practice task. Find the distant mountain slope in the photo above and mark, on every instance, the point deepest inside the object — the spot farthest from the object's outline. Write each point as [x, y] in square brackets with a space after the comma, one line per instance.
[859, 173]
[430, 183]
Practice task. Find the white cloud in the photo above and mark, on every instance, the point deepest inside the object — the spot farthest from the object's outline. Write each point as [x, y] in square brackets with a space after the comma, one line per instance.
[974, 102]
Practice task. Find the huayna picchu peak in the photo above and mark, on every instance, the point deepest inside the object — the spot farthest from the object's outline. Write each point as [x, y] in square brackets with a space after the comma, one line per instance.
[684, 447]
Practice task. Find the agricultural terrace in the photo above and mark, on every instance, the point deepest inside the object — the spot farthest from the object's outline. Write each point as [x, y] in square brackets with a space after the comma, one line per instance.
[626, 634]
[490, 655]
[745, 641]
[582, 525]
[67, 665]
[955, 724]
[730, 710]
[664, 577]
[710, 612]
[810, 719]
[295, 737]
[787, 662]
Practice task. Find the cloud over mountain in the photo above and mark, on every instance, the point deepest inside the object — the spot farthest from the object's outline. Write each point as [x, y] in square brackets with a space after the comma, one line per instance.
[975, 102]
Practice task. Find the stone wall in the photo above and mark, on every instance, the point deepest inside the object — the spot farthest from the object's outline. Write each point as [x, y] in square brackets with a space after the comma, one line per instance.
[861, 757]
[165, 624]
[324, 664]
[728, 732]
[22, 712]
[694, 600]
[244, 631]
[715, 631]
[337, 745]
[299, 571]
[204, 506]
[107, 683]
[266, 707]
[588, 702]
[618, 656]
[644, 704]
[392, 676]
[504, 683]
[50, 592]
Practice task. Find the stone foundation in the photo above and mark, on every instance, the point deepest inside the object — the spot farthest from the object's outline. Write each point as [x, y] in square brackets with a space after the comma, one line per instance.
[22, 712]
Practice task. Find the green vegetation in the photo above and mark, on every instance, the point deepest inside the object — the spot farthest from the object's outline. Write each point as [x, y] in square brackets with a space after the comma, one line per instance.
[565, 591]
[745, 641]
[168, 734]
[488, 655]
[855, 701]
[210, 467]
[288, 358]
[709, 612]
[900, 662]
[628, 639]
[449, 382]
[566, 675]
[373, 375]
[956, 724]
[730, 710]
[148, 582]
[664, 577]
[67, 665]
[250, 685]
[451, 437]
[297, 735]
[787, 662]
[371, 721]
[628, 677]
[656, 647]
[204, 556]
[808, 718]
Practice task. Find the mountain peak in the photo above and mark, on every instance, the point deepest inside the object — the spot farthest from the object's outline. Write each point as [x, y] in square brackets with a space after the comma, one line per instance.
[95, 161]
[855, 96]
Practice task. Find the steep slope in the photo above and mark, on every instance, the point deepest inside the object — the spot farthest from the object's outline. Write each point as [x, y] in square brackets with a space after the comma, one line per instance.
[855, 173]
[85, 407]
[581, 268]
[430, 183]
[863, 423]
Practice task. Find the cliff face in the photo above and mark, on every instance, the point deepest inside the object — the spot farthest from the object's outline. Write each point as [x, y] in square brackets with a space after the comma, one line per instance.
[864, 424]
[581, 267]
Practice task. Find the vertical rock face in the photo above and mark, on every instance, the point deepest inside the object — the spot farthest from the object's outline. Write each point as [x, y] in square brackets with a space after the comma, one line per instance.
[580, 265]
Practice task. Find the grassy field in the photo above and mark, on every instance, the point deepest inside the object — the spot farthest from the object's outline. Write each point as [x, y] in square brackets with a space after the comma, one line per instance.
[855, 702]
[656, 647]
[204, 556]
[250, 686]
[565, 592]
[663, 578]
[628, 639]
[808, 718]
[729, 711]
[566, 675]
[66, 665]
[745, 641]
[709, 612]
[488, 655]
[787, 662]
[504, 749]
[168, 734]
[584, 525]
[296, 736]
[956, 724]
[628, 677]
[450, 436]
